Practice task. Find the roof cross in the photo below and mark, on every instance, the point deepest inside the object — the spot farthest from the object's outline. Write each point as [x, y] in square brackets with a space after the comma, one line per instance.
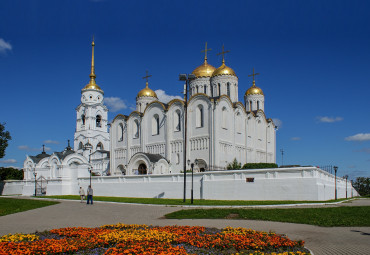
[223, 52]
[147, 77]
[253, 74]
[205, 52]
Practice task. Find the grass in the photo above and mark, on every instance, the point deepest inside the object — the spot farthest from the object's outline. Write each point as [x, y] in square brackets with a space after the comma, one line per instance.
[14, 205]
[326, 217]
[165, 201]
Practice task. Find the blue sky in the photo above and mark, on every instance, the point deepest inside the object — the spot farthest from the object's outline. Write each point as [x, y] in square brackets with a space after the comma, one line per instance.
[313, 58]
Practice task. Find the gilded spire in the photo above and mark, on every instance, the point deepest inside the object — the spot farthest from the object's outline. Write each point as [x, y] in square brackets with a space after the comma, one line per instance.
[92, 74]
[254, 90]
[92, 84]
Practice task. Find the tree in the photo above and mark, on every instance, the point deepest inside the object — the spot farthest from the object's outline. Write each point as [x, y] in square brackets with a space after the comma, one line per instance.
[362, 185]
[234, 165]
[10, 173]
[4, 138]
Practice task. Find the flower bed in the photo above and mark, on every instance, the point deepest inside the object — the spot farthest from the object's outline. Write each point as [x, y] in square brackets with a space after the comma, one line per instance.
[143, 239]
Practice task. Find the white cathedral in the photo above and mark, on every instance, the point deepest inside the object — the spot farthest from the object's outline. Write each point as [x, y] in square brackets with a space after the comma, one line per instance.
[150, 140]
[144, 153]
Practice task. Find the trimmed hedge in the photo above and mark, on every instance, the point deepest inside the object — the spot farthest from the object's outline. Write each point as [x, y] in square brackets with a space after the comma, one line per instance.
[259, 165]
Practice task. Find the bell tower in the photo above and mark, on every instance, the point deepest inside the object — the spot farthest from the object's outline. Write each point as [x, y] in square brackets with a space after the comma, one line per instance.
[92, 117]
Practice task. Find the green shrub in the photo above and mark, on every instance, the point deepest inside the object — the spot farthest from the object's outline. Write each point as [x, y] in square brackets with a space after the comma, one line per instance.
[235, 165]
[259, 165]
[10, 173]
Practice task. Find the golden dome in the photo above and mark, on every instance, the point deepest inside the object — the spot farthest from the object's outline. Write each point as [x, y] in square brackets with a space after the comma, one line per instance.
[146, 92]
[254, 90]
[223, 70]
[205, 70]
[92, 86]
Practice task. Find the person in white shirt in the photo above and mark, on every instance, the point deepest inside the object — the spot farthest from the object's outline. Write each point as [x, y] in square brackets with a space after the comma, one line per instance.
[82, 194]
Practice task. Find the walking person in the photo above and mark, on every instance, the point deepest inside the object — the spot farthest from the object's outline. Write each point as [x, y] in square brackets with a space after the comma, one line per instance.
[90, 193]
[82, 194]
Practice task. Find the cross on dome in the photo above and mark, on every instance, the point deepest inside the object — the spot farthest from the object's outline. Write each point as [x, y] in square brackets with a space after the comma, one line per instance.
[147, 77]
[223, 52]
[252, 75]
[205, 52]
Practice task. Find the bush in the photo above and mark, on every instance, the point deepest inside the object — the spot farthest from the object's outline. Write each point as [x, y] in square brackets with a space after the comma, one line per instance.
[259, 165]
[362, 185]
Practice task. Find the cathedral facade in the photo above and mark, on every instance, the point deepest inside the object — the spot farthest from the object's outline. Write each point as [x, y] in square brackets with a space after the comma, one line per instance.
[219, 127]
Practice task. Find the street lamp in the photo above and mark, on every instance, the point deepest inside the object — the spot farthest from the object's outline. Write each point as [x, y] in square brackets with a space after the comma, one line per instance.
[35, 174]
[335, 171]
[186, 78]
[346, 177]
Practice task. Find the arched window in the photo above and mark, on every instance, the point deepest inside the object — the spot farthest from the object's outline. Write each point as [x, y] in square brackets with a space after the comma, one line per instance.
[199, 116]
[155, 125]
[120, 132]
[197, 89]
[211, 90]
[258, 105]
[80, 146]
[98, 121]
[83, 119]
[99, 146]
[205, 89]
[224, 118]
[136, 129]
[238, 123]
[219, 89]
[177, 120]
[228, 89]
[250, 105]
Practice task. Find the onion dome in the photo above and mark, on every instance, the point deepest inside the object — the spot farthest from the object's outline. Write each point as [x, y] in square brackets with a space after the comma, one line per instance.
[223, 69]
[92, 84]
[205, 70]
[254, 90]
[147, 92]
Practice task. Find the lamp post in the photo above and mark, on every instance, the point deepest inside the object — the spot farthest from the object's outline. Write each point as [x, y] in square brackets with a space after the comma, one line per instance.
[186, 78]
[335, 171]
[35, 174]
[90, 167]
[346, 177]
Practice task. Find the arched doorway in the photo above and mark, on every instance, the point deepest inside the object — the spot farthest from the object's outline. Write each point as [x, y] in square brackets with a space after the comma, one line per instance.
[142, 169]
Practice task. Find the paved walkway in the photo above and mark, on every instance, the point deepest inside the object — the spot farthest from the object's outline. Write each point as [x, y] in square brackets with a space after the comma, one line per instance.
[320, 240]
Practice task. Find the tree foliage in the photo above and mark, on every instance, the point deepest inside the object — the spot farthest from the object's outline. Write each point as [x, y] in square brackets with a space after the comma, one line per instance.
[235, 165]
[10, 173]
[4, 138]
[362, 185]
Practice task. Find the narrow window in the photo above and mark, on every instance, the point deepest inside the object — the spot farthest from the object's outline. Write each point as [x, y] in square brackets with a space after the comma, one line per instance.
[219, 89]
[250, 105]
[80, 146]
[99, 146]
[83, 119]
[177, 120]
[136, 129]
[205, 89]
[228, 89]
[224, 118]
[155, 125]
[120, 132]
[258, 105]
[98, 121]
[197, 89]
[199, 116]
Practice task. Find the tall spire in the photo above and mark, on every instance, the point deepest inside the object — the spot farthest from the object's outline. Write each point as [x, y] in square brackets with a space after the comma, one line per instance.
[92, 74]
[92, 84]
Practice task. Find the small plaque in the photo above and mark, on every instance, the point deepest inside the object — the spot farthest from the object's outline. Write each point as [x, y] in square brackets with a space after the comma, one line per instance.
[249, 179]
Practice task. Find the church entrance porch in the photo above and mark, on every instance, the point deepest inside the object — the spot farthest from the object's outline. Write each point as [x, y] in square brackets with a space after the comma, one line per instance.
[142, 169]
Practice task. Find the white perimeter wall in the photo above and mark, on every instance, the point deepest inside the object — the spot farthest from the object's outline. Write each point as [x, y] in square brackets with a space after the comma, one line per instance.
[304, 183]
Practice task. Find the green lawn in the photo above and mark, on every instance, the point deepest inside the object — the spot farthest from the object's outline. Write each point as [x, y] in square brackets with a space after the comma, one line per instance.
[165, 201]
[14, 205]
[326, 217]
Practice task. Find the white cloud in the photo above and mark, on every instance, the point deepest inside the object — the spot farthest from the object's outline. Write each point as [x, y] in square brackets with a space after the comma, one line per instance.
[329, 119]
[278, 123]
[295, 138]
[163, 97]
[51, 141]
[115, 103]
[4, 46]
[359, 137]
[28, 148]
[8, 161]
